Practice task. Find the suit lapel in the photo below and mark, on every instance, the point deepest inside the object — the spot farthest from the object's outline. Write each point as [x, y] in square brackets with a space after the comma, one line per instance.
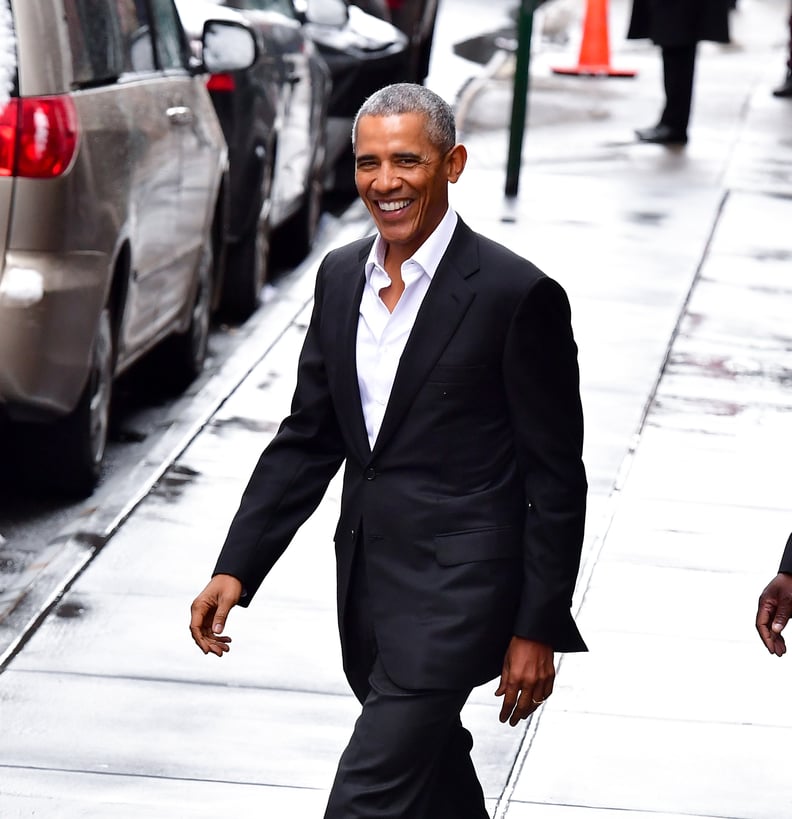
[445, 303]
[350, 411]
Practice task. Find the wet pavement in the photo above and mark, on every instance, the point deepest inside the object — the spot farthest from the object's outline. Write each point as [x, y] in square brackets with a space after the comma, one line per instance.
[678, 267]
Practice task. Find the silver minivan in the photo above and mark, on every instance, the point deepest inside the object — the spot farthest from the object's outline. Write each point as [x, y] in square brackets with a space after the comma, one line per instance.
[112, 210]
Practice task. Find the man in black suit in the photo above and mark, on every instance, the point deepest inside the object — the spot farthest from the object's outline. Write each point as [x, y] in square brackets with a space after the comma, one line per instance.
[775, 605]
[442, 369]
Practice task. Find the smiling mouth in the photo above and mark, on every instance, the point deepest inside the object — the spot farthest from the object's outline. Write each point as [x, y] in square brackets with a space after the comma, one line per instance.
[390, 207]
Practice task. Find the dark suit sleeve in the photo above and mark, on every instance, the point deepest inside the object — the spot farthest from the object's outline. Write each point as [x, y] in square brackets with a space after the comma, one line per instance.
[542, 382]
[786, 559]
[292, 473]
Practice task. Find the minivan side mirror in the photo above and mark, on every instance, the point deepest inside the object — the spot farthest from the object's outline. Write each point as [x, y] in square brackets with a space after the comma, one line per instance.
[324, 12]
[227, 46]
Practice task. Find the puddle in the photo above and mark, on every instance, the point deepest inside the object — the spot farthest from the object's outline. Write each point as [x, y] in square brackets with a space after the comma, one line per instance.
[129, 436]
[247, 424]
[171, 485]
[646, 217]
[70, 611]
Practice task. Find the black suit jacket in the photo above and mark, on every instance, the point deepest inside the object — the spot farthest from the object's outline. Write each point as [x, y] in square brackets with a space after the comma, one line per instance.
[471, 504]
[786, 559]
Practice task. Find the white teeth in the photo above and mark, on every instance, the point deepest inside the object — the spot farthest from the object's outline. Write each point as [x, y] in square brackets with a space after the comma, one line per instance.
[388, 206]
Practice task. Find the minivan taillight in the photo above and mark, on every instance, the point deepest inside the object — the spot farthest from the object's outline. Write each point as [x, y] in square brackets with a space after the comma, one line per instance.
[224, 83]
[38, 136]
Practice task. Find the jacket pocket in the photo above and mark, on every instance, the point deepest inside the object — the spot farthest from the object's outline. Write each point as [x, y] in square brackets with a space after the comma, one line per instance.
[451, 374]
[455, 548]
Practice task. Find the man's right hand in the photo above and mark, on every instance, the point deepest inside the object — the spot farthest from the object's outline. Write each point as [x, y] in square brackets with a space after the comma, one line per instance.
[210, 612]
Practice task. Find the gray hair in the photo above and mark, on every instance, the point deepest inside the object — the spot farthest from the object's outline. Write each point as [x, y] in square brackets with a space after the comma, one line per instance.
[409, 98]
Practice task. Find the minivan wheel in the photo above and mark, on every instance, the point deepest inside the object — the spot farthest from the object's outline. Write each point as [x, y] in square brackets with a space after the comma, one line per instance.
[74, 446]
[187, 350]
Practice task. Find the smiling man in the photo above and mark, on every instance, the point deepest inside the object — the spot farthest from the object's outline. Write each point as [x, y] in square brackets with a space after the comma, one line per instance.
[442, 370]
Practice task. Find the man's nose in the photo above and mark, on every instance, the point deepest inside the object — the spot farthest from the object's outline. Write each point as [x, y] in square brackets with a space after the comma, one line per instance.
[387, 178]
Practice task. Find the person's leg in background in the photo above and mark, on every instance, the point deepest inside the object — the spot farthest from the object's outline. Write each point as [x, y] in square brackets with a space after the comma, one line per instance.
[679, 63]
[785, 89]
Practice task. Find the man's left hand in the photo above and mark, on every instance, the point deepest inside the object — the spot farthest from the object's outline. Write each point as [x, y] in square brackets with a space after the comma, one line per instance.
[775, 608]
[526, 680]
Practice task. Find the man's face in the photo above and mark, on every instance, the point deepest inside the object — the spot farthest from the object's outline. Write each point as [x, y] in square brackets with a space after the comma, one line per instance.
[403, 178]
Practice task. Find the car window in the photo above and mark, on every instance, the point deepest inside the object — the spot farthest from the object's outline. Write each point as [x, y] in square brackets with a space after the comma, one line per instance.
[168, 34]
[95, 40]
[281, 6]
[108, 38]
[136, 31]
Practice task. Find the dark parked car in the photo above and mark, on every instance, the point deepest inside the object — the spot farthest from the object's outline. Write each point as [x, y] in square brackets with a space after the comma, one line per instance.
[273, 115]
[416, 18]
[364, 53]
[112, 166]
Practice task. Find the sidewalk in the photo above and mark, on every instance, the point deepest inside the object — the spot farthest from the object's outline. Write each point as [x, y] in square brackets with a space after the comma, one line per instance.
[677, 264]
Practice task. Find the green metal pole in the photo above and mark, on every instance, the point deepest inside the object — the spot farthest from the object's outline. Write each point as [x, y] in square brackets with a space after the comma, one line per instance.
[520, 98]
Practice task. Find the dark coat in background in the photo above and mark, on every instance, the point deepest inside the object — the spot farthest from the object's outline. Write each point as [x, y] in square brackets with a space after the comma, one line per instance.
[672, 23]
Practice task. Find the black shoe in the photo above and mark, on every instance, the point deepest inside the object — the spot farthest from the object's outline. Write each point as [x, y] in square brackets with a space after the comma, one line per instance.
[662, 135]
[785, 89]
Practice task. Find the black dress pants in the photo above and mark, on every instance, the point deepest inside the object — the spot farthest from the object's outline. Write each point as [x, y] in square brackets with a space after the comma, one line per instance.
[679, 63]
[409, 756]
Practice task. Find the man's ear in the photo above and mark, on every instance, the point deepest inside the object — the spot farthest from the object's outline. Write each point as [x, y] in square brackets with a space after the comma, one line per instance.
[456, 160]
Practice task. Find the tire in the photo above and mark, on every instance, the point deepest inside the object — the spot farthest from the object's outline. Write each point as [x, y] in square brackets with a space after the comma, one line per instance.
[70, 451]
[246, 273]
[247, 262]
[186, 352]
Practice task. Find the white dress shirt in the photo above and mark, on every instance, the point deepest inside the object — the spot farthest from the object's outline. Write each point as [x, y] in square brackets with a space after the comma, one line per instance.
[382, 335]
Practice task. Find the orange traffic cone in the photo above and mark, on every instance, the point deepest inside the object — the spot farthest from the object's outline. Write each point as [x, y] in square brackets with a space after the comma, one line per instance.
[594, 59]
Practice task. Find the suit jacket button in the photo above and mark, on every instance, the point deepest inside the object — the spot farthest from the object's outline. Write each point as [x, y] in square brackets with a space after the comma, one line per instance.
[370, 474]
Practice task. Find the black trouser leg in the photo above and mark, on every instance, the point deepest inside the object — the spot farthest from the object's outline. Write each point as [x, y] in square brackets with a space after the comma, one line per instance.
[409, 756]
[457, 791]
[679, 65]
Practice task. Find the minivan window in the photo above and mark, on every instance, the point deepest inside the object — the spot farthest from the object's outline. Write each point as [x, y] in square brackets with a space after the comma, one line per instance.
[108, 38]
[168, 34]
[136, 31]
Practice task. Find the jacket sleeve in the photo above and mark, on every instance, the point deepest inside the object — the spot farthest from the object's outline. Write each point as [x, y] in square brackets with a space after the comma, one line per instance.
[292, 473]
[786, 559]
[542, 384]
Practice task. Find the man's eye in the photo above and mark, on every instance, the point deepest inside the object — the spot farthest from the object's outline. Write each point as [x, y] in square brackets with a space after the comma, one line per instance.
[408, 163]
[365, 166]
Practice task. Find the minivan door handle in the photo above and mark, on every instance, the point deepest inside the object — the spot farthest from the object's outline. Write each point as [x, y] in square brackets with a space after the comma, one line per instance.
[180, 115]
